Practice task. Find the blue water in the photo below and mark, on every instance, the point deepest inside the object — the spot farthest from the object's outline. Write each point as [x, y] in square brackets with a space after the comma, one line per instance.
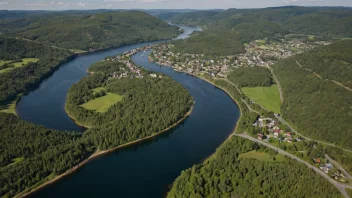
[145, 169]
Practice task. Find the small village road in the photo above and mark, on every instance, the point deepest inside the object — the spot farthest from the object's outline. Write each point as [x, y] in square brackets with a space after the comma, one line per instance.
[339, 167]
[341, 187]
[307, 138]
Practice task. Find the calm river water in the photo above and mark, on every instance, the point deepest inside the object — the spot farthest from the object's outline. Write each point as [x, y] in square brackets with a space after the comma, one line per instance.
[145, 169]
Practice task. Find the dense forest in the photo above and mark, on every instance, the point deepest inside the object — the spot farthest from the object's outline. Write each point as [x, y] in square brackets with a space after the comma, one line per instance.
[30, 153]
[226, 174]
[23, 78]
[89, 30]
[225, 32]
[149, 105]
[317, 106]
[251, 77]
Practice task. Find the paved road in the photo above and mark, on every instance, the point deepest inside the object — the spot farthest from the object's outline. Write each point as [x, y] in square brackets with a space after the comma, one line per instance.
[250, 107]
[278, 84]
[307, 138]
[341, 187]
[339, 167]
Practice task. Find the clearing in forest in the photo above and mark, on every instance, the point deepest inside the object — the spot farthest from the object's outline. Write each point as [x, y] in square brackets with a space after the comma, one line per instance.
[268, 97]
[102, 104]
[24, 61]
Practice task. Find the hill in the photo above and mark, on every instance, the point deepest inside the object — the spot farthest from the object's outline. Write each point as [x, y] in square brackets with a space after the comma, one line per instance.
[89, 31]
[228, 174]
[225, 32]
[317, 89]
[44, 60]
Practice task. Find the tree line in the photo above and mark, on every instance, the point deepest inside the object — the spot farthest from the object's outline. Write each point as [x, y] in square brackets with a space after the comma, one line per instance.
[89, 30]
[150, 105]
[251, 77]
[43, 153]
[226, 31]
[225, 175]
[24, 78]
[315, 106]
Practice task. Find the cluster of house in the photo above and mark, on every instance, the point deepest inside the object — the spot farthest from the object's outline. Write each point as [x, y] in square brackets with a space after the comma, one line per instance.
[326, 167]
[196, 64]
[273, 131]
[132, 71]
[258, 53]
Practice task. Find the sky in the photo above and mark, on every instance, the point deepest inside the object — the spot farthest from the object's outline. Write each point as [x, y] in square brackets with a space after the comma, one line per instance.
[159, 4]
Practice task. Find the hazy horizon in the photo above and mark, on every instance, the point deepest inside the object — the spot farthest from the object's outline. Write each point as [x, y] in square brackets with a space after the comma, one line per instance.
[162, 4]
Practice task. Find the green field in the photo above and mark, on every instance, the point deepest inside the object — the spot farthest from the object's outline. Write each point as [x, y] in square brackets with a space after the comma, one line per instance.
[24, 61]
[268, 97]
[262, 156]
[102, 104]
[261, 42]
[77, 51]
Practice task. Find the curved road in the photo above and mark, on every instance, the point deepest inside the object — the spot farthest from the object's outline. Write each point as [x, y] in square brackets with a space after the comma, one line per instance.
[341, 187]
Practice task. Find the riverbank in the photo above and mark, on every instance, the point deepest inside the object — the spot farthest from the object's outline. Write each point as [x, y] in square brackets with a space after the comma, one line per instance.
[100, 153]
[223, 89]
[74, 120]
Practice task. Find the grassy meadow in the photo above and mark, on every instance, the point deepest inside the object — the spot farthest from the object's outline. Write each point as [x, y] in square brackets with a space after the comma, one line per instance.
[24, 62]
[102, 104]
[268, 97]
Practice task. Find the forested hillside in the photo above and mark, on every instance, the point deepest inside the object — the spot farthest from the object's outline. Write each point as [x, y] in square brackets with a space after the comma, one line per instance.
[23, 78]
[149, 105]
[316, 105]
[225, 32]
[251, 77]
[229, 174]
[30, 153]
[89, 31]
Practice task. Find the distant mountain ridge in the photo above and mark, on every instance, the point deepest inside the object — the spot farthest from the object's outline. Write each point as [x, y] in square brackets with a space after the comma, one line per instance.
[88, 30]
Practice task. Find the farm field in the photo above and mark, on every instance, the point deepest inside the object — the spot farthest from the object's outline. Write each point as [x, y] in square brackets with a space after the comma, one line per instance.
[24, 61]
[268, 97]
[102, 104]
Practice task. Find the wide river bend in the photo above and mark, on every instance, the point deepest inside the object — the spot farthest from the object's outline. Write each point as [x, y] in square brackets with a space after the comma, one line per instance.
[145, 169]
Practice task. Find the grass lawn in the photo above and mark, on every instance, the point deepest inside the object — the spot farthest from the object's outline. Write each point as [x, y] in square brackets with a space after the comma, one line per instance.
[3, 62]
[24, 61]
[16, 160]
[261, 42]
[77, 51]
[262, 156]
[268, 97]
[102, 104]
[312, 38]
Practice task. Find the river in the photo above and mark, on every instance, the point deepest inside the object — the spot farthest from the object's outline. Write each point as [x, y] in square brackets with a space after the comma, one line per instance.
[145, 169]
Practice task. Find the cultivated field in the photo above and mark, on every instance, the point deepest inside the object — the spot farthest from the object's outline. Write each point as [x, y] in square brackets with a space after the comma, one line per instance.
[268, 97]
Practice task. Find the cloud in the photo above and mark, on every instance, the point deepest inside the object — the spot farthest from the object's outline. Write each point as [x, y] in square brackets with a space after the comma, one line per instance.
[289, 1]
[139, 1]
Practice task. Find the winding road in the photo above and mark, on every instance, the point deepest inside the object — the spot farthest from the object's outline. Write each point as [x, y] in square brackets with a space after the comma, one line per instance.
[341, 187]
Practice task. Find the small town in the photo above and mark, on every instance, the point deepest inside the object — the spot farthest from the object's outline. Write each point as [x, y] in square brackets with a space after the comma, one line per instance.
[258, 53]
[275, 133]
[131, 71]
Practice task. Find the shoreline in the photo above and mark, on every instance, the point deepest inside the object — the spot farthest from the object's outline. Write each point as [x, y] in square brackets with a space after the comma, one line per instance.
[223, 89]
[98, 154]
[74, 120]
